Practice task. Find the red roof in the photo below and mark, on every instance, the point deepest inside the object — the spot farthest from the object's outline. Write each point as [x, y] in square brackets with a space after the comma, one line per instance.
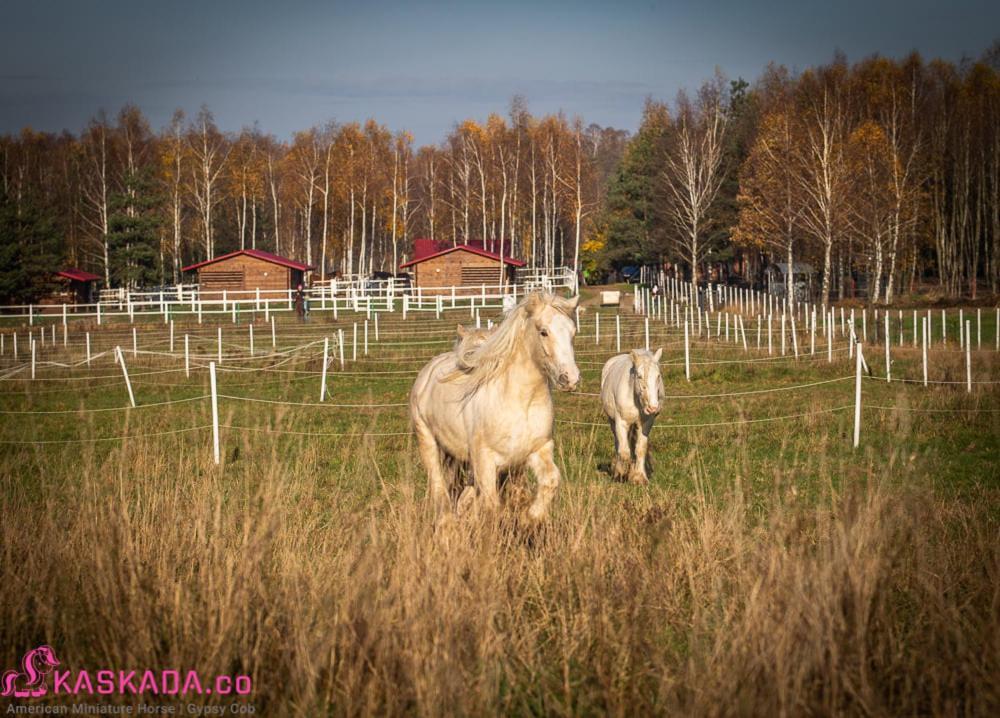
[257, 254]
[77, 275]
[461, 247]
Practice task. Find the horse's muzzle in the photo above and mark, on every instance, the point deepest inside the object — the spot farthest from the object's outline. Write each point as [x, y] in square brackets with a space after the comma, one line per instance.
[566, 384]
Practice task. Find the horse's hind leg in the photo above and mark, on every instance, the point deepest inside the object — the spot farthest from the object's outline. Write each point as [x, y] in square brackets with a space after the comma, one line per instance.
[622, 460]
[430, 455]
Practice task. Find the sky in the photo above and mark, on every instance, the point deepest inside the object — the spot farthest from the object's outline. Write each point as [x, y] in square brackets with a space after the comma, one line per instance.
[423, 66]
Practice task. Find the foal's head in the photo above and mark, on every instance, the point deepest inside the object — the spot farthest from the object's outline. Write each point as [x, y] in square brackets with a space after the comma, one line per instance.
[647, 380]
[550, 320]
[468, 340]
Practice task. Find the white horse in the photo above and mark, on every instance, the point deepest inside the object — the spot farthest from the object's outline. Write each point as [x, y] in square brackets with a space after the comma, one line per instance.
[631, 394]
[492, 406]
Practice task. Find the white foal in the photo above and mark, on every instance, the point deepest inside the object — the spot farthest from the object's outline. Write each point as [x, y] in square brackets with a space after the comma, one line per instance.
[631, 394]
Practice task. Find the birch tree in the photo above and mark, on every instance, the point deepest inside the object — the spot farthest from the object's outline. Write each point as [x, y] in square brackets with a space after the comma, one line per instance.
[693, 168]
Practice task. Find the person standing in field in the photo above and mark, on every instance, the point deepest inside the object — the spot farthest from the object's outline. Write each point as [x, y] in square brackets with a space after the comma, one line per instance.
[300, 303]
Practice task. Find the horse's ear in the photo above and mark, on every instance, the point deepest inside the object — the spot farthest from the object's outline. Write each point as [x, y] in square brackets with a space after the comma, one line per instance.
[572, 303]
[635, 356]
[532, 303]
[462, 331]
[659, 353]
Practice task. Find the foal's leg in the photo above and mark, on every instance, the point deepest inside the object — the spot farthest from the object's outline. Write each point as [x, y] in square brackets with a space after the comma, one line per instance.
[638, 473]
[547, 474]
[431, 458]
[623, 451]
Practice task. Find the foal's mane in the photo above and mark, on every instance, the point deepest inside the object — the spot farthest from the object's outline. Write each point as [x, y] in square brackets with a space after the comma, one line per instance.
[489, 360]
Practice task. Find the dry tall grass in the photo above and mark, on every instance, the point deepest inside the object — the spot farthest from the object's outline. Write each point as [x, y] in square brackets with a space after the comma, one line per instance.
[876, 599]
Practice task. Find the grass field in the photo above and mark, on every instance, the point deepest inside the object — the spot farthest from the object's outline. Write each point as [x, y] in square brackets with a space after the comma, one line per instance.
[770, 567]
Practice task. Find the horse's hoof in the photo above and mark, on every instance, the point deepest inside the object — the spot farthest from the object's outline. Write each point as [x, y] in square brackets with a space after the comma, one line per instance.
[466, 501]
[620, 469]
[444, 522]
[638, 479]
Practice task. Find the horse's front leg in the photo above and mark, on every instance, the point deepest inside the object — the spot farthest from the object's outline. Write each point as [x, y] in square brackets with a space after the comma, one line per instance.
[547, 474]
[623, 452]
[430, 455]
[486, 473]
[638, 473]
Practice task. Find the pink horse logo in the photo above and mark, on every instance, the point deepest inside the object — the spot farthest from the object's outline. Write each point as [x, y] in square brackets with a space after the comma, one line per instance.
[29, 682]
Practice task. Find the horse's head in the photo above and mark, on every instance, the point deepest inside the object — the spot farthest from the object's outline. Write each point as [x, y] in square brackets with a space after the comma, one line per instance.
[648, 383]
[550, 320]
[45, 659]
[468, 340]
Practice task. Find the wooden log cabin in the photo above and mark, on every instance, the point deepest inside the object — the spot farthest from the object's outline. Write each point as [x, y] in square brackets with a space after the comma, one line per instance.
[468, 266]
[247, 270]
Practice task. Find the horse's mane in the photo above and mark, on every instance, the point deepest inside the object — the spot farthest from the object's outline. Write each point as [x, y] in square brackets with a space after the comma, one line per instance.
[489, 360]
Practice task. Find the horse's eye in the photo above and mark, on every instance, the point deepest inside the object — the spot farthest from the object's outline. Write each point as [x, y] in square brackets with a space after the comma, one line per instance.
[544, 332]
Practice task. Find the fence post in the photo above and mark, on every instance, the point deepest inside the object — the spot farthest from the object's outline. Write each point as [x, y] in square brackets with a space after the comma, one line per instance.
[647, 332]
[128, 383]
[171, 336]
[597, 328]
[220, 344]
[88, 348]
[687, 350]
[888, 361]
[187, 358]
[326, 360]
[795, 339]
[366, 336]
[215, 412]
[812, 334]
[857, 397]
[618, 332]
[250, 326]
[32, 358]
[927, 321]
[340, 346]
[376, 326]
[968, 355]
[274, 338]
[354, 343]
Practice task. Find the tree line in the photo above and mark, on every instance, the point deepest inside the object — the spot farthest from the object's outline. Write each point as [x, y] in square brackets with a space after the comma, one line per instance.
[136, 205]
[886, 169]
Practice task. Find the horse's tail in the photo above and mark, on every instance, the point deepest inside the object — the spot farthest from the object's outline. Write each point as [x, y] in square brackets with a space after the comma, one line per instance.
[29, 670]
[8, 680]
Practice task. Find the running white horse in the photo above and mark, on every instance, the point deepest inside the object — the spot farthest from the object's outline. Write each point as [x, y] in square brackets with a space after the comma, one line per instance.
[631, 394]
[492, 406]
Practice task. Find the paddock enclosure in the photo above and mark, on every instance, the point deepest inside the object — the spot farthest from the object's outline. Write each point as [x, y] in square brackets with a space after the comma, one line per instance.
[239, 474]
